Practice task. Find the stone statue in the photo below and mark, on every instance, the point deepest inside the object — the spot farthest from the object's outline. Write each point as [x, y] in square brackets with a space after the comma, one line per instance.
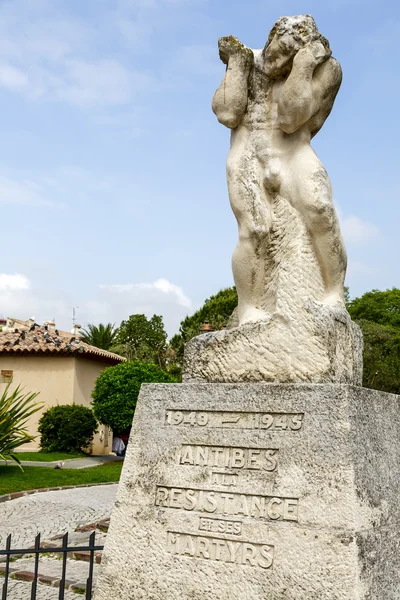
[290, 261]
[275, 100]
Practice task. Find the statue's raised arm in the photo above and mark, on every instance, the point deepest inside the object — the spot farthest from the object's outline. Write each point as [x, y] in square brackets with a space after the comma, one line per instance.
[230, 99]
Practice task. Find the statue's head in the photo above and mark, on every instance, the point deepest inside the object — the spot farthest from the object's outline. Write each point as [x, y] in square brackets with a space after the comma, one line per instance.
[287, 36]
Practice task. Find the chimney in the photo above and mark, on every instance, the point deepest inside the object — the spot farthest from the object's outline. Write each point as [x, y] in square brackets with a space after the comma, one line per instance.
[206, 327]
[10, 324]
[77, 330]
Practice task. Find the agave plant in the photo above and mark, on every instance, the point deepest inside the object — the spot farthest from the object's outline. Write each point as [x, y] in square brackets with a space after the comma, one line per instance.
[15, 410]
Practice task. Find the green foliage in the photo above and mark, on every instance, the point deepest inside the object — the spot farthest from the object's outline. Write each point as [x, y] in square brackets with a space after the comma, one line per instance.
[381, 356]
[101, 336]
[44, 477]
[15, 410]
[216, 310]
[67, 428]
[378, 315]
[143, 339]
[117, 388]
[378, 307]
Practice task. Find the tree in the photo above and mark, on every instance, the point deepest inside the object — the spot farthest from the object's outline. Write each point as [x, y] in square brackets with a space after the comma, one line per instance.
[143, 339]
[216, 310]
[117, 388]
[101, 336]
[378, 307]
[15, 410]
[67, 428]
[381, 356]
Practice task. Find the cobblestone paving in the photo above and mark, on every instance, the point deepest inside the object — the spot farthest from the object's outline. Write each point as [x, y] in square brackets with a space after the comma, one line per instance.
[52, 513]
[19, 590]
[77, 570]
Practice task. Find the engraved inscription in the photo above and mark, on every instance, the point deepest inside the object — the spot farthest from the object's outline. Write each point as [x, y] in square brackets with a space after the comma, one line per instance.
[232, 458]
[219, 478]
[220, 526]
[214, 548]
[235, 420]
[228, 503]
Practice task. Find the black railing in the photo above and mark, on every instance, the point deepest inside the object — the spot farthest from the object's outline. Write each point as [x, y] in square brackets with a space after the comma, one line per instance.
[37, 550]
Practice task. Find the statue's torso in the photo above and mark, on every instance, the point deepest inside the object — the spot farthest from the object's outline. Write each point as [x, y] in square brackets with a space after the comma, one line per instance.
[261, 117]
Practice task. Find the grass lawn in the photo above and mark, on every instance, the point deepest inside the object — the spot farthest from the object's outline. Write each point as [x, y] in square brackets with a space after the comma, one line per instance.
[12, 479]
[48, 456]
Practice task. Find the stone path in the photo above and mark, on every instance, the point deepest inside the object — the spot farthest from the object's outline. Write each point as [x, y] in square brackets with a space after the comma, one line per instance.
[20, 590]
[53, 513]
[77, 511]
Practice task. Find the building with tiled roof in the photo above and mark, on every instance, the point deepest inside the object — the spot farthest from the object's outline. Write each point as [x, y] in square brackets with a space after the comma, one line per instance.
[59, 365]
[31, 338]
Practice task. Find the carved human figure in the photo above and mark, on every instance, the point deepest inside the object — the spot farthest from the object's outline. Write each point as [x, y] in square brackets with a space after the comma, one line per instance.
[275, 100]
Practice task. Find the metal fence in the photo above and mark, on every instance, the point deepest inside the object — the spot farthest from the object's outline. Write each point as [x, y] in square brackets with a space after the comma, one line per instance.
[64, 550]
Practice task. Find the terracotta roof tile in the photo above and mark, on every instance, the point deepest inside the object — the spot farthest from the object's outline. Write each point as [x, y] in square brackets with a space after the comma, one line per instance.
[43, 340]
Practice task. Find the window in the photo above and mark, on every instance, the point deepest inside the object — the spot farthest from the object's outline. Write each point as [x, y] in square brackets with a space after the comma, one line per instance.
[6, 376]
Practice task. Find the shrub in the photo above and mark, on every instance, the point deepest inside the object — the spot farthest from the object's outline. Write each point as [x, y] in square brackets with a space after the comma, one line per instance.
[15, 410]
[67, 428]
[117, 388]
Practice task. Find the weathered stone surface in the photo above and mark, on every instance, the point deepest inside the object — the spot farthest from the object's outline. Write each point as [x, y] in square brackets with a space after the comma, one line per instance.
[261, 491]
[322, 345]
[290, 261]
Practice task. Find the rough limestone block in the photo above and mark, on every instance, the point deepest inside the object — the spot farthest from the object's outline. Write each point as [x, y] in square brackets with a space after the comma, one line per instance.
[257, 491]
[322, 345]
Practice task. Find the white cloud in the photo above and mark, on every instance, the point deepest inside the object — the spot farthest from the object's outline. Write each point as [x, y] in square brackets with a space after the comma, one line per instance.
[24, 192]
[160, 297]
[20, 298]
[12, 78]
[104, 82]
[13, 283]
[358, 231]
[46, 54]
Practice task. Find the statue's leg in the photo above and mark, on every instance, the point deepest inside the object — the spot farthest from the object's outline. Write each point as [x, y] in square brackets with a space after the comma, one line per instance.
[252, 212]
[309, 190]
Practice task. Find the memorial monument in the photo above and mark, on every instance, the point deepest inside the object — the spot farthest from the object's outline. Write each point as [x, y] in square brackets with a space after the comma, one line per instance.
[269, 474]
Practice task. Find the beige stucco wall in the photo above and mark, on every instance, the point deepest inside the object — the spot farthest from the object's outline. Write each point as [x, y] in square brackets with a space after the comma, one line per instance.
[60, 380]
[85, 374]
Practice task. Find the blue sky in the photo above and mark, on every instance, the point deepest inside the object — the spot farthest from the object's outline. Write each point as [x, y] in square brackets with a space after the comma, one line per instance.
[112, 165]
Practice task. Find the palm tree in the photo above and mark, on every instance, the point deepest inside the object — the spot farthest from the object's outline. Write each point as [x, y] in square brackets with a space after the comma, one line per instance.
[101, 336]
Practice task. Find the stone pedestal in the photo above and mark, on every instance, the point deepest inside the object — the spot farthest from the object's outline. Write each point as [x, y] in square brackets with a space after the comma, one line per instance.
[258, 491]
